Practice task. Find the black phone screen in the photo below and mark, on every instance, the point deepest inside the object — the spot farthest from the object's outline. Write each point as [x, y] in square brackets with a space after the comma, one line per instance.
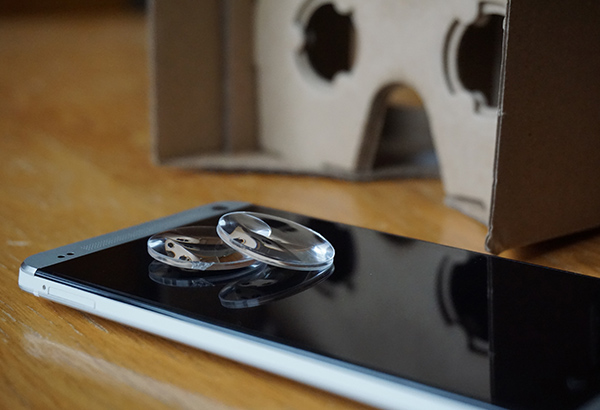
[499, 331]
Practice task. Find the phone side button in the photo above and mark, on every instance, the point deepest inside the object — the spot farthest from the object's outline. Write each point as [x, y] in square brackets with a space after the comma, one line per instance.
[69, 298]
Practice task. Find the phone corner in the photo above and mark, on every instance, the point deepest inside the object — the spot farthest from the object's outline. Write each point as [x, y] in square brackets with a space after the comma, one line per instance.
[26, 277]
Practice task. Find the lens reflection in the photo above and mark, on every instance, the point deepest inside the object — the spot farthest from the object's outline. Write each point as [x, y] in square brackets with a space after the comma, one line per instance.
[247, 287]
[269, 284]
[182, 278]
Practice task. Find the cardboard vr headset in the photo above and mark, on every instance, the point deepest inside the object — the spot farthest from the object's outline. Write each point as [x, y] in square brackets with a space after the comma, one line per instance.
[506, 97]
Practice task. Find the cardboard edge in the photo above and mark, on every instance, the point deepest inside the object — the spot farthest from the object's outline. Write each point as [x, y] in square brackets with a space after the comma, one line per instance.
[152, 87]
[493, 241]
[260, 162]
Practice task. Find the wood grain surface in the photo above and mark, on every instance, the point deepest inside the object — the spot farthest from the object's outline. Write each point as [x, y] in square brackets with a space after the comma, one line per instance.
[75, 162]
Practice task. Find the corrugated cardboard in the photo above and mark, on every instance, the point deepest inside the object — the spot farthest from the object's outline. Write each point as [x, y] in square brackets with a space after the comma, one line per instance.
[236, 88]
[547, 176]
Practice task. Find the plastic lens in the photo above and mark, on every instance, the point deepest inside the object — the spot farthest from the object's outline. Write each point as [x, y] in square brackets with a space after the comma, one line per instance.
[275, 241]
[195, 248]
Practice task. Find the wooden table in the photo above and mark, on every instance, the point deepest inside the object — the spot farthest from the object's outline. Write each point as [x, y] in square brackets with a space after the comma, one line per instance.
[75, 162]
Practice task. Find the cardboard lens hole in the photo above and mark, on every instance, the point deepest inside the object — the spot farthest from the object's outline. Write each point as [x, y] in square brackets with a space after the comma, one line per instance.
[480, 57]
[329, 42]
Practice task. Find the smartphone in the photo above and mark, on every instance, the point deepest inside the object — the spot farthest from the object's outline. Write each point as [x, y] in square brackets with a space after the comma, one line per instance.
[394, 323]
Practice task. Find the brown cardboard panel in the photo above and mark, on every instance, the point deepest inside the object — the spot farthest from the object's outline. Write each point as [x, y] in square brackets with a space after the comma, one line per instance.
[547, 181]
[204, 91]
[239, 121]
[187, 95]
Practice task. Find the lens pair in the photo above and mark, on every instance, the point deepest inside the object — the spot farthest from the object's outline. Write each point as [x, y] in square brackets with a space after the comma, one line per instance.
[242, 239]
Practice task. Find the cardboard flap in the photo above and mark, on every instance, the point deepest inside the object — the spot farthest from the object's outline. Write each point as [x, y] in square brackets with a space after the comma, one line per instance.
[202, 66]
[548, 154]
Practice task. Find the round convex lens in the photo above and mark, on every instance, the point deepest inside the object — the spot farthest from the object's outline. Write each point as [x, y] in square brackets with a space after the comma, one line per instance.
[275, 241]
[196, 248]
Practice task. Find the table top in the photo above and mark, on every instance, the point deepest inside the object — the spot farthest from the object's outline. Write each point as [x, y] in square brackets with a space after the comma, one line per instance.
[75, 162]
